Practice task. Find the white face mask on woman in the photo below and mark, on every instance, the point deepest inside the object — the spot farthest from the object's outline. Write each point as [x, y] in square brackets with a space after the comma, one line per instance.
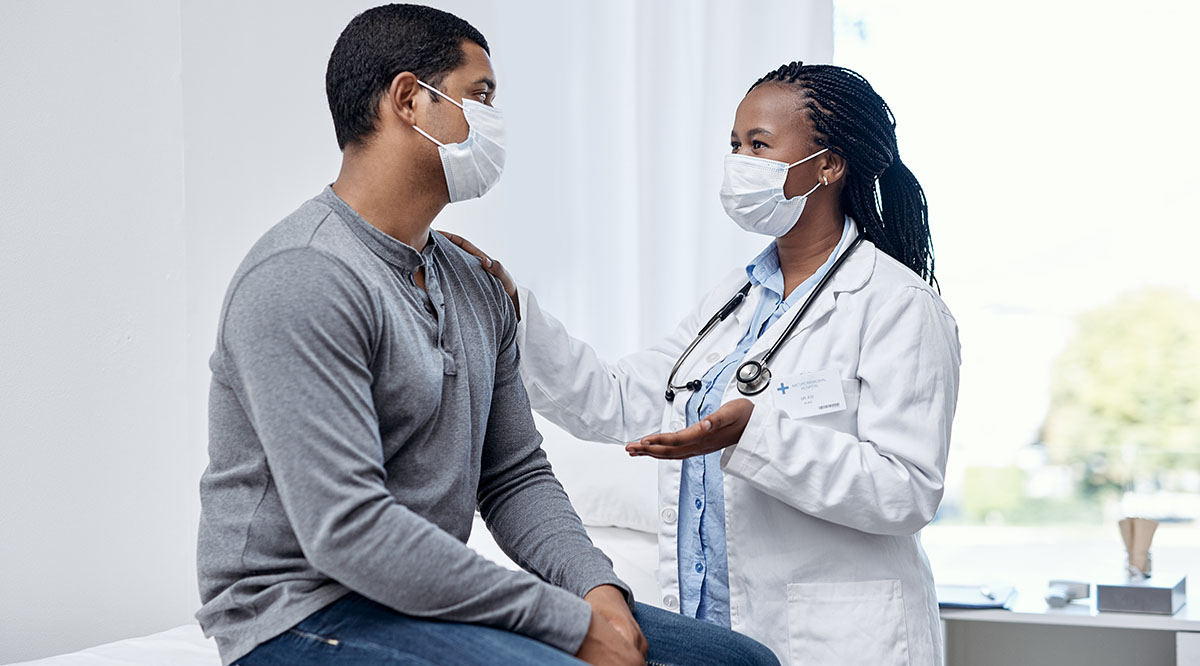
[473, 166]
[752, 194]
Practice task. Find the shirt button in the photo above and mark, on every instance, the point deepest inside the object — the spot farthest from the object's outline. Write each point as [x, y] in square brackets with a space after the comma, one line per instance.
[677, 425]
[671, 601]
[699, 503]
[699, 568]
[668, 515]
[713, 358]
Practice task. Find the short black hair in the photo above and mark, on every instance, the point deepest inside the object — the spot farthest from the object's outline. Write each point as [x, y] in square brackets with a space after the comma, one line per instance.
[377, 45]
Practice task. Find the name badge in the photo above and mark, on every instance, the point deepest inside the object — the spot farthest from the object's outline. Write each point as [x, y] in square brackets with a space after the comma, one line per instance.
[809, 394]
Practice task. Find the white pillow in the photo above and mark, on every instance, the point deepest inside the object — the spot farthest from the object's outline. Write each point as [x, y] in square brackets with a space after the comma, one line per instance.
[607, 487]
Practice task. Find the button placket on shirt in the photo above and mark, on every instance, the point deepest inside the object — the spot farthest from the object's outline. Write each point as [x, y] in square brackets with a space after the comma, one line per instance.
[433, 289]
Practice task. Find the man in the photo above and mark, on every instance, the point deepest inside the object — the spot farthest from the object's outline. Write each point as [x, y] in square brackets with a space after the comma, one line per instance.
[366, 400]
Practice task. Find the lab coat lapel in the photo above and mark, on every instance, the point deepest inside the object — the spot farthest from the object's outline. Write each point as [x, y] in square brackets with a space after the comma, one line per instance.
[721, 339]
[746, 310]
[850, 277]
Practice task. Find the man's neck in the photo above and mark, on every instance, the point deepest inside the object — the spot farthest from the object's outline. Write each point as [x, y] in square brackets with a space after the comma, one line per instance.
[807, 246]
[393, 199]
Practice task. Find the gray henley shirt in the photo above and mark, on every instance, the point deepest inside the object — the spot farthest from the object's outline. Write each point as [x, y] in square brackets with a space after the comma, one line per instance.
[356, 422]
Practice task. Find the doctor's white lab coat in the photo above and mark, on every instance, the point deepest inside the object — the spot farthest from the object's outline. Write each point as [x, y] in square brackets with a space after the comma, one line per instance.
[822, 513]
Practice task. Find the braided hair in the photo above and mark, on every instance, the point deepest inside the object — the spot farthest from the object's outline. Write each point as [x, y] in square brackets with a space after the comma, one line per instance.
[853, 121]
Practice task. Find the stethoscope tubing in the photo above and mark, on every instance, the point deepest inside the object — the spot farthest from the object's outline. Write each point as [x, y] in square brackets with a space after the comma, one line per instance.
[752, 376]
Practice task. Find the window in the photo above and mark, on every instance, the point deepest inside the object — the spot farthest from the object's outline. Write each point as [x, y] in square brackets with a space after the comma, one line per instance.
[1057, 145]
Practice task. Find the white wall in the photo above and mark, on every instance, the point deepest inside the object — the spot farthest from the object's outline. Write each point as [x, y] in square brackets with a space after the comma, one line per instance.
[144, 146]
[97, 491]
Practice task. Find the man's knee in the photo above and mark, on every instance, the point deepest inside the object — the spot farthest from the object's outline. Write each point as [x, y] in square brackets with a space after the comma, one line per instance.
[673, 636]
[748, 652]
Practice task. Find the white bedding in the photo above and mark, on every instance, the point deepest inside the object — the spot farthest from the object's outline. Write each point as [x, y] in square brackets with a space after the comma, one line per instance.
[181, 646]
[634, 555]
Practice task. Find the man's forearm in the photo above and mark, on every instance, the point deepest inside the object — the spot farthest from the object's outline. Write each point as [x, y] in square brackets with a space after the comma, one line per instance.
[391, 555]
[533, 521]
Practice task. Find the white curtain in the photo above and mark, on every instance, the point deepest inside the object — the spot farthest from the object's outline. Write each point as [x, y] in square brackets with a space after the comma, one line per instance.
[619, 114]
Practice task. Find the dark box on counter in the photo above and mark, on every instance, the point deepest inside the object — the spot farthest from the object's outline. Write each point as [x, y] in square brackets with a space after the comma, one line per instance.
[1161, 594]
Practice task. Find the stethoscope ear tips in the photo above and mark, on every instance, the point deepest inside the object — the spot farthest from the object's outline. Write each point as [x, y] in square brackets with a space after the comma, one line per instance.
[693, 385]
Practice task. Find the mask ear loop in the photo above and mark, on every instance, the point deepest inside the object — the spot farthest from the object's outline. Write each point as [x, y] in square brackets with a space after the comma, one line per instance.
[459, 105]
[823, 150]
[814, 189]
[426, 135]
[432, 89]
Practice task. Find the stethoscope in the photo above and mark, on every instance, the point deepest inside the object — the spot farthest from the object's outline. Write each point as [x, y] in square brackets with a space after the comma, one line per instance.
[752, 376]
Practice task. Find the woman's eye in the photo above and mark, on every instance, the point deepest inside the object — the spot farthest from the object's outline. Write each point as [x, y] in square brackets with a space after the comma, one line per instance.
[757, 145]
[734, 146]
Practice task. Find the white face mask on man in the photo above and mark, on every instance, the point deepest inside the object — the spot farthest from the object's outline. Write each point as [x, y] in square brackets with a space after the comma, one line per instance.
[473, 166]
[752, 194]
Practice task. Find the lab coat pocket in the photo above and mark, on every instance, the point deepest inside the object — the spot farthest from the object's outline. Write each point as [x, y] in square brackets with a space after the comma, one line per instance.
[847, 623]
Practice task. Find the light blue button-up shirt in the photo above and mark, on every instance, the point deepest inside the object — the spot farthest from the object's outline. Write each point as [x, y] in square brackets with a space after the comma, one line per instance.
[703, 566]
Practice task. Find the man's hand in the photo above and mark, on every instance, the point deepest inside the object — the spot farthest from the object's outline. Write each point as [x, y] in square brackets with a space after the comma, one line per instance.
[613, 636]
[720, 429]
[611, 604]
[490, 265]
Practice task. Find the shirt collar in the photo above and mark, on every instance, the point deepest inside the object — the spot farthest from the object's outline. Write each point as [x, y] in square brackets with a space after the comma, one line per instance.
[395, 252]
[765, 271]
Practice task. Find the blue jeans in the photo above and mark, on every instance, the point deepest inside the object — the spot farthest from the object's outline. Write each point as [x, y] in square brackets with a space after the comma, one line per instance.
[355, 631]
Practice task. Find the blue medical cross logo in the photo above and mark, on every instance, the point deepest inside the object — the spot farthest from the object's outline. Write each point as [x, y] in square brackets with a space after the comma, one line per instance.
[782, 389]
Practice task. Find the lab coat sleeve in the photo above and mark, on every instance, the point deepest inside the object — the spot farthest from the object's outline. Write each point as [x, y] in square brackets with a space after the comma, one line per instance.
[890, 478]
[588, 397]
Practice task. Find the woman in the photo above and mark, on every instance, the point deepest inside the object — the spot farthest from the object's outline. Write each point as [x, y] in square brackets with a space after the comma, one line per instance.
[791, 511]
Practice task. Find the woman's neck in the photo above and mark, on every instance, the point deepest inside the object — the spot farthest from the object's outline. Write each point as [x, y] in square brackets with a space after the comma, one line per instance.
[807, 246]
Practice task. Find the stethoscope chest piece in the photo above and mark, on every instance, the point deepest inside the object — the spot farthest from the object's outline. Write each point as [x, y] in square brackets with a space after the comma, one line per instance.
[752, 378]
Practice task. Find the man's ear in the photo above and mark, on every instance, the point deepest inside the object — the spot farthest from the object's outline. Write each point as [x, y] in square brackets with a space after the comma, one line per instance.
[401, 97]
[833, 168]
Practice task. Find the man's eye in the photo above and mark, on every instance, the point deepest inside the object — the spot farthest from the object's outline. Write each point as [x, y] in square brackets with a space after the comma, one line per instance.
[735, 145]
[757, 144]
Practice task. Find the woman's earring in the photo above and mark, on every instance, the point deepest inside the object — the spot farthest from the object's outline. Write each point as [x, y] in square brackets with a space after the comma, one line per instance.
[826, 181]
